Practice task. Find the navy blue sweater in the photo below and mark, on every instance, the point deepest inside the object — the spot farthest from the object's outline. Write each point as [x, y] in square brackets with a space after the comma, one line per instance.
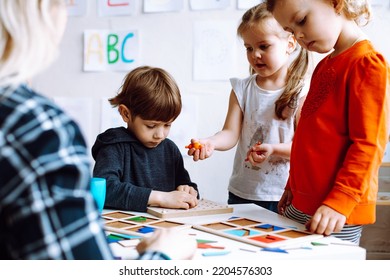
[132, 171]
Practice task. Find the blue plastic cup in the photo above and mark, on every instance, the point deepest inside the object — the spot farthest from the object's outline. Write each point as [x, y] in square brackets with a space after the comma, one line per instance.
[98, 190]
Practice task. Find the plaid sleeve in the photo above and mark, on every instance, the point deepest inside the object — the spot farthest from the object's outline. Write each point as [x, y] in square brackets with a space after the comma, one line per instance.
[46, 209]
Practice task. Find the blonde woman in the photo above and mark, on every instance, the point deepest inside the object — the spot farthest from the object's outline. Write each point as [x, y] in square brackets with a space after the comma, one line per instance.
[46, 209]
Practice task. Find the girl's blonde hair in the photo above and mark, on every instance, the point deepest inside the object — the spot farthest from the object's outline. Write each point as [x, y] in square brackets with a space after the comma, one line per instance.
[356, 10]
[288, 101]
[28, 38]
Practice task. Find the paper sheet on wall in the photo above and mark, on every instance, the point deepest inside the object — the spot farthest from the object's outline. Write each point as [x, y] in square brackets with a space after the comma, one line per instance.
[214, 50]
[116, 7]
[77, 7]
[247, 4]
[81, 110]
[109, 116]
[386, 157]
[209, 4]
[111, 50]
[161, 6]
[185, 126]
[379, 3]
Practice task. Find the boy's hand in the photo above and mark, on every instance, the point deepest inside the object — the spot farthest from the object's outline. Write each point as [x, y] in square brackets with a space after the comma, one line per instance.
[174, 199]
[187, 189]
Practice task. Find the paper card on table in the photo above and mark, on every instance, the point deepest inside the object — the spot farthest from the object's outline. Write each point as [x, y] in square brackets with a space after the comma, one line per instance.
[275, 250]
[129, 243]
[146, 229]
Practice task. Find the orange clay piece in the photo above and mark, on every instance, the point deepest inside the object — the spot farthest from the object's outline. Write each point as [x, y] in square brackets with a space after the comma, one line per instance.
[196, 146]
[259, 153]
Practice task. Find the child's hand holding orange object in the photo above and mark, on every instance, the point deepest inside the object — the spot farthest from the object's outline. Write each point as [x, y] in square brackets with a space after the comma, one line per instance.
[200, 149]
[258, 153]
[195, 145]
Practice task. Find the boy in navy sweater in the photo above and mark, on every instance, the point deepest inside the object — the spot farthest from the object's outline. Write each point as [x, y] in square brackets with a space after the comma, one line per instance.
[142, 167]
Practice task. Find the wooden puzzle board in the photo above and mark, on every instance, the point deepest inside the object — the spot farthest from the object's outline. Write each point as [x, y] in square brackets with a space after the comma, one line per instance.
[136, 225]
[257, 233]
[205, 207]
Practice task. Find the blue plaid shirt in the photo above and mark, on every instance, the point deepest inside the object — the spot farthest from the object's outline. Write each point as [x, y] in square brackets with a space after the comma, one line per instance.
[46, 209]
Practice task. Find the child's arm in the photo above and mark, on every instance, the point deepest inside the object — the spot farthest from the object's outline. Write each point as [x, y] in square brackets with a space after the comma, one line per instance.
[284, 201]
[225, 139]
[299, 109]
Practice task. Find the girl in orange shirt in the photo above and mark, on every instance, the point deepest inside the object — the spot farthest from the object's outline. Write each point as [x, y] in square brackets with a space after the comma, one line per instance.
[341, 137]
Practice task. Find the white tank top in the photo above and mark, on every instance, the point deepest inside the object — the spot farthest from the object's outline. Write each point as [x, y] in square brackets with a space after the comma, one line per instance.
[265, 182]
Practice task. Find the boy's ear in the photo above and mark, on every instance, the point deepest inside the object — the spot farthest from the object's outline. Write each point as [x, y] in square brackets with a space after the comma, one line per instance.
[125, 113]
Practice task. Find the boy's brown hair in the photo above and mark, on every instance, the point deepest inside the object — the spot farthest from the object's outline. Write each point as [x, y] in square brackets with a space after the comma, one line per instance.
[150, 93]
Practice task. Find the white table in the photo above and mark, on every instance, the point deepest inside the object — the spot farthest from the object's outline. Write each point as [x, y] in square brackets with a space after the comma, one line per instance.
[239, 250]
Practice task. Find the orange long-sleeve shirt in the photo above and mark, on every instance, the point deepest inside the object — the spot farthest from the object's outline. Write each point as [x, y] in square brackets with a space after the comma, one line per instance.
[342, 134]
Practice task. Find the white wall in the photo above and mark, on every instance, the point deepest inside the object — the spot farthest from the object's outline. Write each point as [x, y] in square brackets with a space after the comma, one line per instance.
[167, 42]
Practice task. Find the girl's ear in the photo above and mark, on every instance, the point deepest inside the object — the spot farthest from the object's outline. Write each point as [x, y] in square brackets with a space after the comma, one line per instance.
[292, 44]
[125, 113]
[338, 6]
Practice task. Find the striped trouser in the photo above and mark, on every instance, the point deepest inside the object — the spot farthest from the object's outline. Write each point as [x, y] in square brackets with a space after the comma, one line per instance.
[349, 232]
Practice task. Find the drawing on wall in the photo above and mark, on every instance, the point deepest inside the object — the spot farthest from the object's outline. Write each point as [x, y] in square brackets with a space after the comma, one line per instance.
[81, 110]
[186, 124]
[116, 7]
[378, 3]
[214, 50]
[386, 156]
[109, 116]
[247, 4]
[161, 6]
[77, 7]
[209, 4]
[109, 50]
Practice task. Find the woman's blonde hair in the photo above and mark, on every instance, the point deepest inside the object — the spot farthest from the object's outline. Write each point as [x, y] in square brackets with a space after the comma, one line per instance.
[288, 101]
[356, 10]
[28, 38]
